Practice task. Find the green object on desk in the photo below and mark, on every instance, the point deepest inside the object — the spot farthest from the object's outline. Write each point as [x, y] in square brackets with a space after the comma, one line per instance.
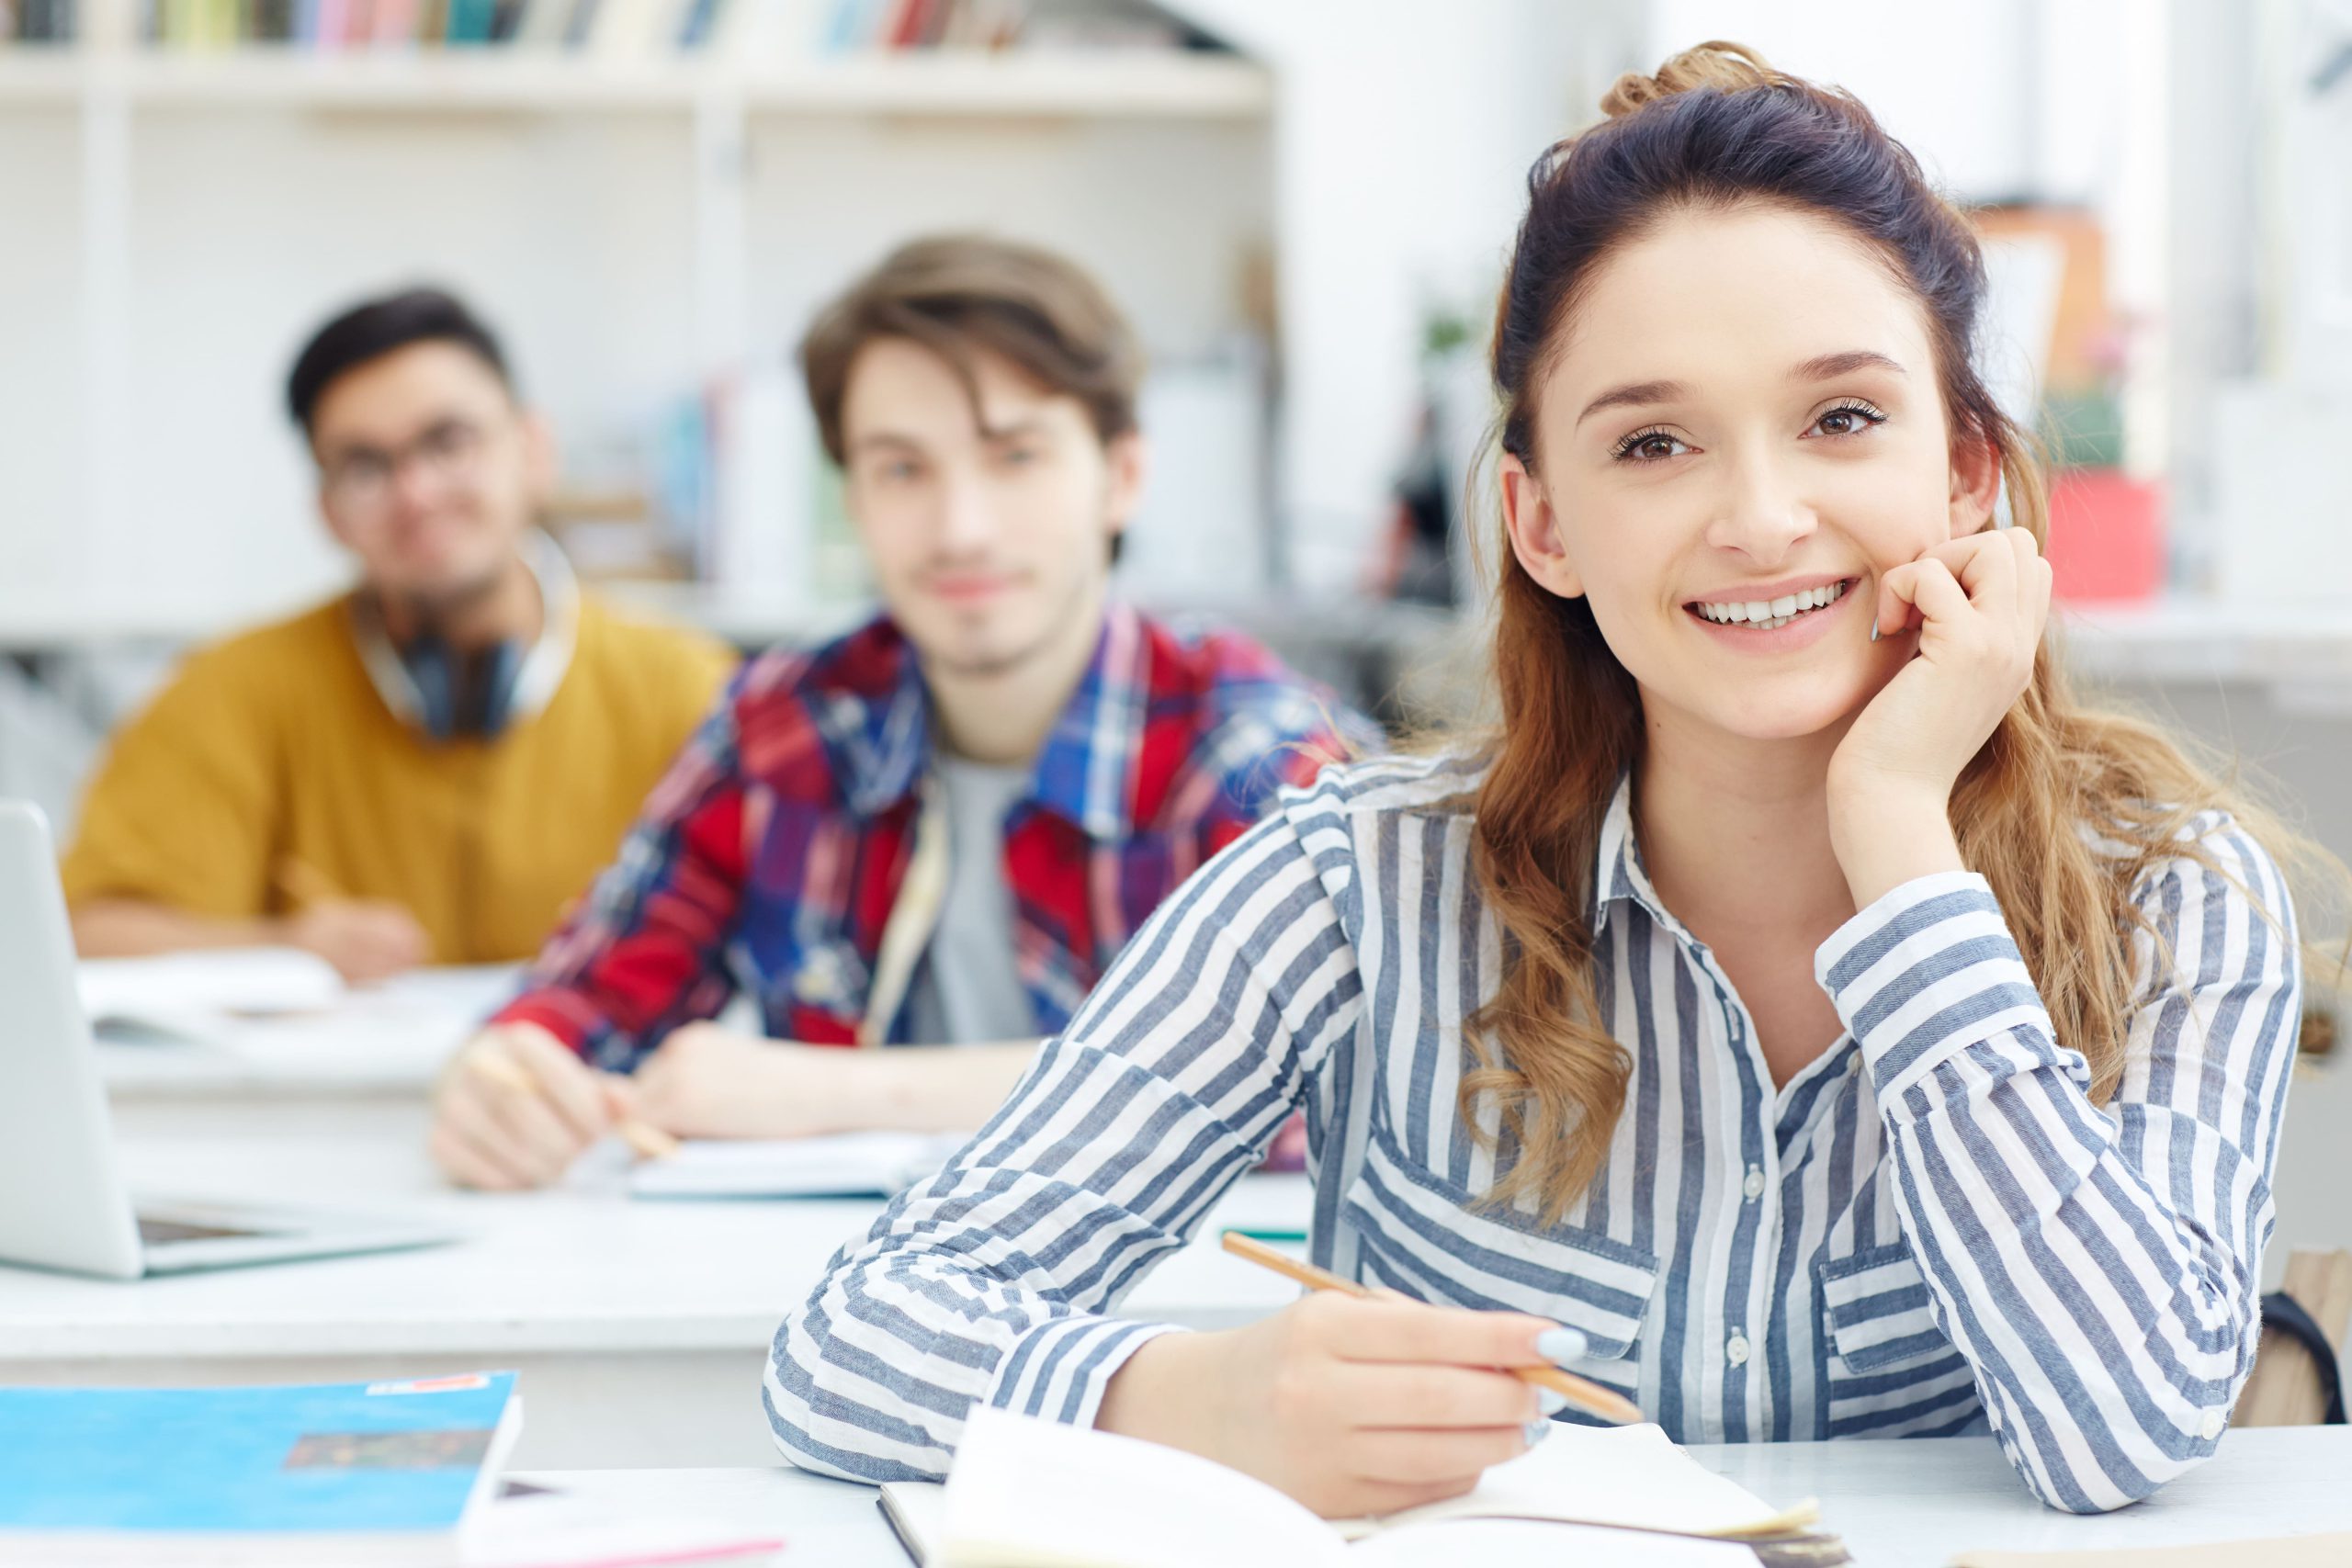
[1259, 1233]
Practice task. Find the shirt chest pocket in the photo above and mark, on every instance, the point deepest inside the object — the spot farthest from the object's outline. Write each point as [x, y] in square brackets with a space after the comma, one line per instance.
[1427, 1238]
[1877, 1310]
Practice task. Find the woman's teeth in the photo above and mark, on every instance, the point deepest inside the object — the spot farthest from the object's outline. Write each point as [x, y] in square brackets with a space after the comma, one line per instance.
[1767, 614]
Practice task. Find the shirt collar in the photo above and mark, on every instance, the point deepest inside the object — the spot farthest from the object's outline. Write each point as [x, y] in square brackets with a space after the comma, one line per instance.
[1617, 871]
[1084, 774]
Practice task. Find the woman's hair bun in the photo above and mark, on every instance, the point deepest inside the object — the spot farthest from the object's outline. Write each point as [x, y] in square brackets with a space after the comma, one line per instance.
[1726, 67]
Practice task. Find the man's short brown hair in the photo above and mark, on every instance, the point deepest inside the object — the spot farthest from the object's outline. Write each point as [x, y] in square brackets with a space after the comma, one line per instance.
[962, 293]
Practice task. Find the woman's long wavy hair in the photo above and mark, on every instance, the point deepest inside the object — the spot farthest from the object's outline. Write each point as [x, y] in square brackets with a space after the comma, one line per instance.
[1717, 128]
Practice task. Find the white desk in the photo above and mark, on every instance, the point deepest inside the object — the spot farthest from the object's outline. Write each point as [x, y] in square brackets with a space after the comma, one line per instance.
[640, 1328]
[1896, 1504]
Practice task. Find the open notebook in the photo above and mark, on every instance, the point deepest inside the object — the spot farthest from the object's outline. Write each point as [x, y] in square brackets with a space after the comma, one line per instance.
[1041, 1495]
[269, 1008]
[196, 995]
[843, 1164]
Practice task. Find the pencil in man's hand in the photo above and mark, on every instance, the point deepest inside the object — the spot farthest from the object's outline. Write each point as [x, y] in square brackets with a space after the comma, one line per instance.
[647, 1141]
[1585, 1394]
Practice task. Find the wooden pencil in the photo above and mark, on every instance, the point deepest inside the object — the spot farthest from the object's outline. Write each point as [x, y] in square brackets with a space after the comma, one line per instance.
[1585, 1394]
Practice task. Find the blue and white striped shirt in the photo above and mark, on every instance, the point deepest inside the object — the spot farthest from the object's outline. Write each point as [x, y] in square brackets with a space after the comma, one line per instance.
[1930, 1229]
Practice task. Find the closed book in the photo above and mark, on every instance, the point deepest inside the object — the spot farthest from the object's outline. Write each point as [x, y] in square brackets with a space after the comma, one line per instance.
[307, 1474]
[856, 24]
[543, 24]
[470, 21]
[701, 16]
[627, 29]
[394, 24]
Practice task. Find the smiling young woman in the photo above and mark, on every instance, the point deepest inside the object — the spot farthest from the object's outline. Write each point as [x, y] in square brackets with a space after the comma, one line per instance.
[1797, 1010]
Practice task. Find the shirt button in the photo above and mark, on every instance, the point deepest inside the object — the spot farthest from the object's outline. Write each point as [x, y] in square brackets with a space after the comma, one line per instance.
[2210, 1428]
[1754, 1184]
[1736, 1352]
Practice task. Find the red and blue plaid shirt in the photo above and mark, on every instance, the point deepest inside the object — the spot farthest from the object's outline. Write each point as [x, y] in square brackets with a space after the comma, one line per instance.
[769, 858]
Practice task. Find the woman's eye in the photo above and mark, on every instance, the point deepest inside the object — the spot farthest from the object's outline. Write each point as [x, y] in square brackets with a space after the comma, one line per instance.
[1847, 419]
[1650, 446]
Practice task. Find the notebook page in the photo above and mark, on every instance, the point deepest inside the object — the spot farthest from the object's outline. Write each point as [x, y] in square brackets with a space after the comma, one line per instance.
[231, 980]
[1526, 1543]
[844, 1164]
[1631, 1476]
[1026, 1492]
[2295, 1551]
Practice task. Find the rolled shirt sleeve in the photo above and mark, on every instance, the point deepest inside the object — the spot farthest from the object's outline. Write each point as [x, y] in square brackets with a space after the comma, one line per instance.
[2096, 1265]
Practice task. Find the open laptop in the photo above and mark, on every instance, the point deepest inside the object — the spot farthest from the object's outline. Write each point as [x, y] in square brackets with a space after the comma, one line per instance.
[63, 1204]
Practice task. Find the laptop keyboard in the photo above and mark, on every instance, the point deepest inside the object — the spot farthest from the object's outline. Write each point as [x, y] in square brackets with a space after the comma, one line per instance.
[152, 1231]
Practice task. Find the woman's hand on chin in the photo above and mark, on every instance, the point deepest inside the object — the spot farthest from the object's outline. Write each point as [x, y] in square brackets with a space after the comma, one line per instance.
[1979, 606]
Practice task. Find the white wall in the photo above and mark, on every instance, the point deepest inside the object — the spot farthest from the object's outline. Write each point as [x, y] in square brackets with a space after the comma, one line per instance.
[250, 227]
[1405, 134]
[41, 346]
[576, 234]
[1960, 88]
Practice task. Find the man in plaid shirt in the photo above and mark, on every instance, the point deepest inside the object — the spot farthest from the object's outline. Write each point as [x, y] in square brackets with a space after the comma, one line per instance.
[939, 828]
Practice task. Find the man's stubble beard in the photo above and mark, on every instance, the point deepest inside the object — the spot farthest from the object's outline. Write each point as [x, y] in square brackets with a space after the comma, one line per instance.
[987, 667]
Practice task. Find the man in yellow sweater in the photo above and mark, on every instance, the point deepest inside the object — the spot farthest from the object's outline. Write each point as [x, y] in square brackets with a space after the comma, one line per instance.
[429, 768]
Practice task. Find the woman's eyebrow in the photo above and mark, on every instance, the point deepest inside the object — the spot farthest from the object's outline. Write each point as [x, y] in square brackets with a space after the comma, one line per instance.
[1634, 394]
[1823, 367]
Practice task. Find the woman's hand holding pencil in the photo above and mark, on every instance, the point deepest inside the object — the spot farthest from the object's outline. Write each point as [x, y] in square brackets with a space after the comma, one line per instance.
[1355, 1401]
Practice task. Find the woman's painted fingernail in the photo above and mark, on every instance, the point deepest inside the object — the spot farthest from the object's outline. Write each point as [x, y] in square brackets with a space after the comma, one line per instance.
[1550, 1401]
[1537, 1431]
[1560, 1345]
[1873, 629]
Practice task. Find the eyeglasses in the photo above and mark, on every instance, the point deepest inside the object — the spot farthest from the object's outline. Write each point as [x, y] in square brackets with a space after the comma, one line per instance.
[361, 480]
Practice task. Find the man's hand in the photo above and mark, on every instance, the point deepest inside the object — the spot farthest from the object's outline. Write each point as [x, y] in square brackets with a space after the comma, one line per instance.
[365, 940]
[708, 1082]
[515, 1108]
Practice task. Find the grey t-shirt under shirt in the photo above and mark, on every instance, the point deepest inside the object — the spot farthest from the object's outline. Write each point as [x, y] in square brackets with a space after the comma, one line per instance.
[968, 991]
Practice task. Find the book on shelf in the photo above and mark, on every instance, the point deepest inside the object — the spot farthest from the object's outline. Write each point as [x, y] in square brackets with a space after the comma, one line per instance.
[752, 32]
[46, 22]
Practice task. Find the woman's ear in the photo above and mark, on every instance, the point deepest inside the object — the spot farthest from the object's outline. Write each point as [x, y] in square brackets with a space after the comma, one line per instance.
[1975, 484]
[1534, 529]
